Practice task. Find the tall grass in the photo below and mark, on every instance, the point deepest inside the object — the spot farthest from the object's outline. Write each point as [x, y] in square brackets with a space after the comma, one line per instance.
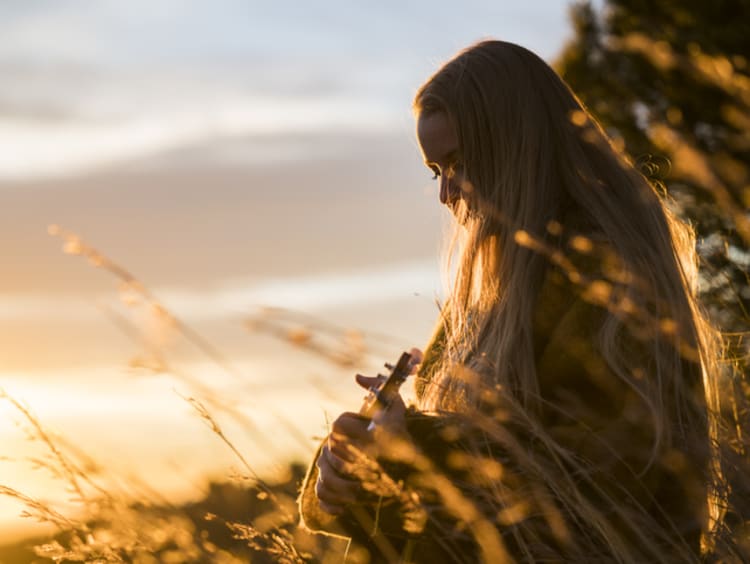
[112, 521]
[474, 496]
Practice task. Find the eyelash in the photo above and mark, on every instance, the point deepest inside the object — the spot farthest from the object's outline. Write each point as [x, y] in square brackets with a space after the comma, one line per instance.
[453, 167]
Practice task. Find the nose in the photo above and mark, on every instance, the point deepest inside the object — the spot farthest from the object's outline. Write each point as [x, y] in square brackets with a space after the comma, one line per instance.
[449, 190]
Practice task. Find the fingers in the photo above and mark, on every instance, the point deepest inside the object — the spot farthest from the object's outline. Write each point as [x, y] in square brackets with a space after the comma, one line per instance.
[368, 382]
[393, 419]
[334, 492]
[417, 356]
[396, 412]
[349, 436]
[351, 426]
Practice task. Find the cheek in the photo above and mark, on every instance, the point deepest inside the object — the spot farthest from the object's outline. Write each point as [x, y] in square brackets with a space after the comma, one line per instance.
[467, 188]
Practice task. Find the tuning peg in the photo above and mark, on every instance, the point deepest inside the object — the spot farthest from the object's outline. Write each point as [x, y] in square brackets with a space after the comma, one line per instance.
[389, 366]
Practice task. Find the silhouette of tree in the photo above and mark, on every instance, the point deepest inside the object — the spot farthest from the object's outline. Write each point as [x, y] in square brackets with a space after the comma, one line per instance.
[671, 80]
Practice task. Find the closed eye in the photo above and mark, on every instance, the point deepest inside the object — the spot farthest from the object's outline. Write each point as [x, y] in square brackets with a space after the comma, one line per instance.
[453, 166]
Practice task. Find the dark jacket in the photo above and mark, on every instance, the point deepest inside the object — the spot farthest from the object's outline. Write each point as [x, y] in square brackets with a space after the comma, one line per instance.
[479, 489]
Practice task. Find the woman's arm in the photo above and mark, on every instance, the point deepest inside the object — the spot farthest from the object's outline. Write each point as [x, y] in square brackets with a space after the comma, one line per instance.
[504, 480]
[345, 470]
[408, 490]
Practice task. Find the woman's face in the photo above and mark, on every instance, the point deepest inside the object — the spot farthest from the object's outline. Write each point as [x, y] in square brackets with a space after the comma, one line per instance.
[439, 143]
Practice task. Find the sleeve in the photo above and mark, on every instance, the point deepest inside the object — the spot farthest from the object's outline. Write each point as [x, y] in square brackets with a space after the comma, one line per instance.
[386, 482]
[416, 502]
[312, 517]
[503, 484]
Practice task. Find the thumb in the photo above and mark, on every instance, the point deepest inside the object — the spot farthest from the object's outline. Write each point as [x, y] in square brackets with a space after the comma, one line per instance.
[368, 382]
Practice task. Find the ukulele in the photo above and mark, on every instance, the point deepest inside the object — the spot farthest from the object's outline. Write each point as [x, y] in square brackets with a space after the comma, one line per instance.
[381, 396]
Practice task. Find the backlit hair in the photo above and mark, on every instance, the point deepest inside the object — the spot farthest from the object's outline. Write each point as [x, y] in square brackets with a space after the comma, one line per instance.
[546, 186]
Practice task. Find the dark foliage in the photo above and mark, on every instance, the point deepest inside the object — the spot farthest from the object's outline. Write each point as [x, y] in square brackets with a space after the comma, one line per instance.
[672, 80]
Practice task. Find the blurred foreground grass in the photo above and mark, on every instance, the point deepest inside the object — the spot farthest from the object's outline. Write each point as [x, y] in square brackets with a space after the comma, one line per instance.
[214, 529]
[247, 517]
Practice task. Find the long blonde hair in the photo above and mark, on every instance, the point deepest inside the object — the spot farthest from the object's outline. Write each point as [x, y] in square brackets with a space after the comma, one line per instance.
[534, 158]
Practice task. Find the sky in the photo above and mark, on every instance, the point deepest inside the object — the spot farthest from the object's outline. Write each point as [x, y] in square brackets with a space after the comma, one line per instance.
[86, 83]
[232, 155]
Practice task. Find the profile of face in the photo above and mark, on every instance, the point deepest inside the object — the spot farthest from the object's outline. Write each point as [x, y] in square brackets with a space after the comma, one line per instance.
[442, 155]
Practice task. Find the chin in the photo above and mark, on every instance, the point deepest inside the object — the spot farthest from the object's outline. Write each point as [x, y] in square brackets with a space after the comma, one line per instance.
[462, 213]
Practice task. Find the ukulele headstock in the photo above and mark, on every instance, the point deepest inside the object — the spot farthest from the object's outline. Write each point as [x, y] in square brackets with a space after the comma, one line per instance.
[381, 396]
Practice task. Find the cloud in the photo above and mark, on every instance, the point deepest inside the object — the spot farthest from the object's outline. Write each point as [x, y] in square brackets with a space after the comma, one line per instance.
[87, 84]
[313, 293]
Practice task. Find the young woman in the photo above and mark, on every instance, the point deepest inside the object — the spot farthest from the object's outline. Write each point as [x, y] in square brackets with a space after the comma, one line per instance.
[567, 404]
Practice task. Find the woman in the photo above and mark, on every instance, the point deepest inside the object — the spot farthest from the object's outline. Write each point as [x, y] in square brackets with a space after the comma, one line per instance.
[567, 402]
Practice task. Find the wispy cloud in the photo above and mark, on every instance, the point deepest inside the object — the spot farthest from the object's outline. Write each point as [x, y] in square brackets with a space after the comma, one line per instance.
[88, 84]
[45, 149]
[307, 293]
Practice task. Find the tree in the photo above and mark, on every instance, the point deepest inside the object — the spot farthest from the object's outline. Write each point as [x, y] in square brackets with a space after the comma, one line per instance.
[671, 80]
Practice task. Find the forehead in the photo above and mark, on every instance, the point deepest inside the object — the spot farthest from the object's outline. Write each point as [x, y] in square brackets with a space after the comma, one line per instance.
[437, 136]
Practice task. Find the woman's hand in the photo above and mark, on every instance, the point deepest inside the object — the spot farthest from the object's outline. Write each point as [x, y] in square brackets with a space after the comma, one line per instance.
[350, 440]
[417, 356]
[391, 419]
[348, 443]
[333, 489]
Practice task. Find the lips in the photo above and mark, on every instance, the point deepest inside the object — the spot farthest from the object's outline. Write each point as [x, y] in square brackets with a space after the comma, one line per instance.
[450, 194]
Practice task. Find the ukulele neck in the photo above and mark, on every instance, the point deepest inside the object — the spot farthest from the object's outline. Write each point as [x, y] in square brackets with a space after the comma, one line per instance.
[380, 397]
